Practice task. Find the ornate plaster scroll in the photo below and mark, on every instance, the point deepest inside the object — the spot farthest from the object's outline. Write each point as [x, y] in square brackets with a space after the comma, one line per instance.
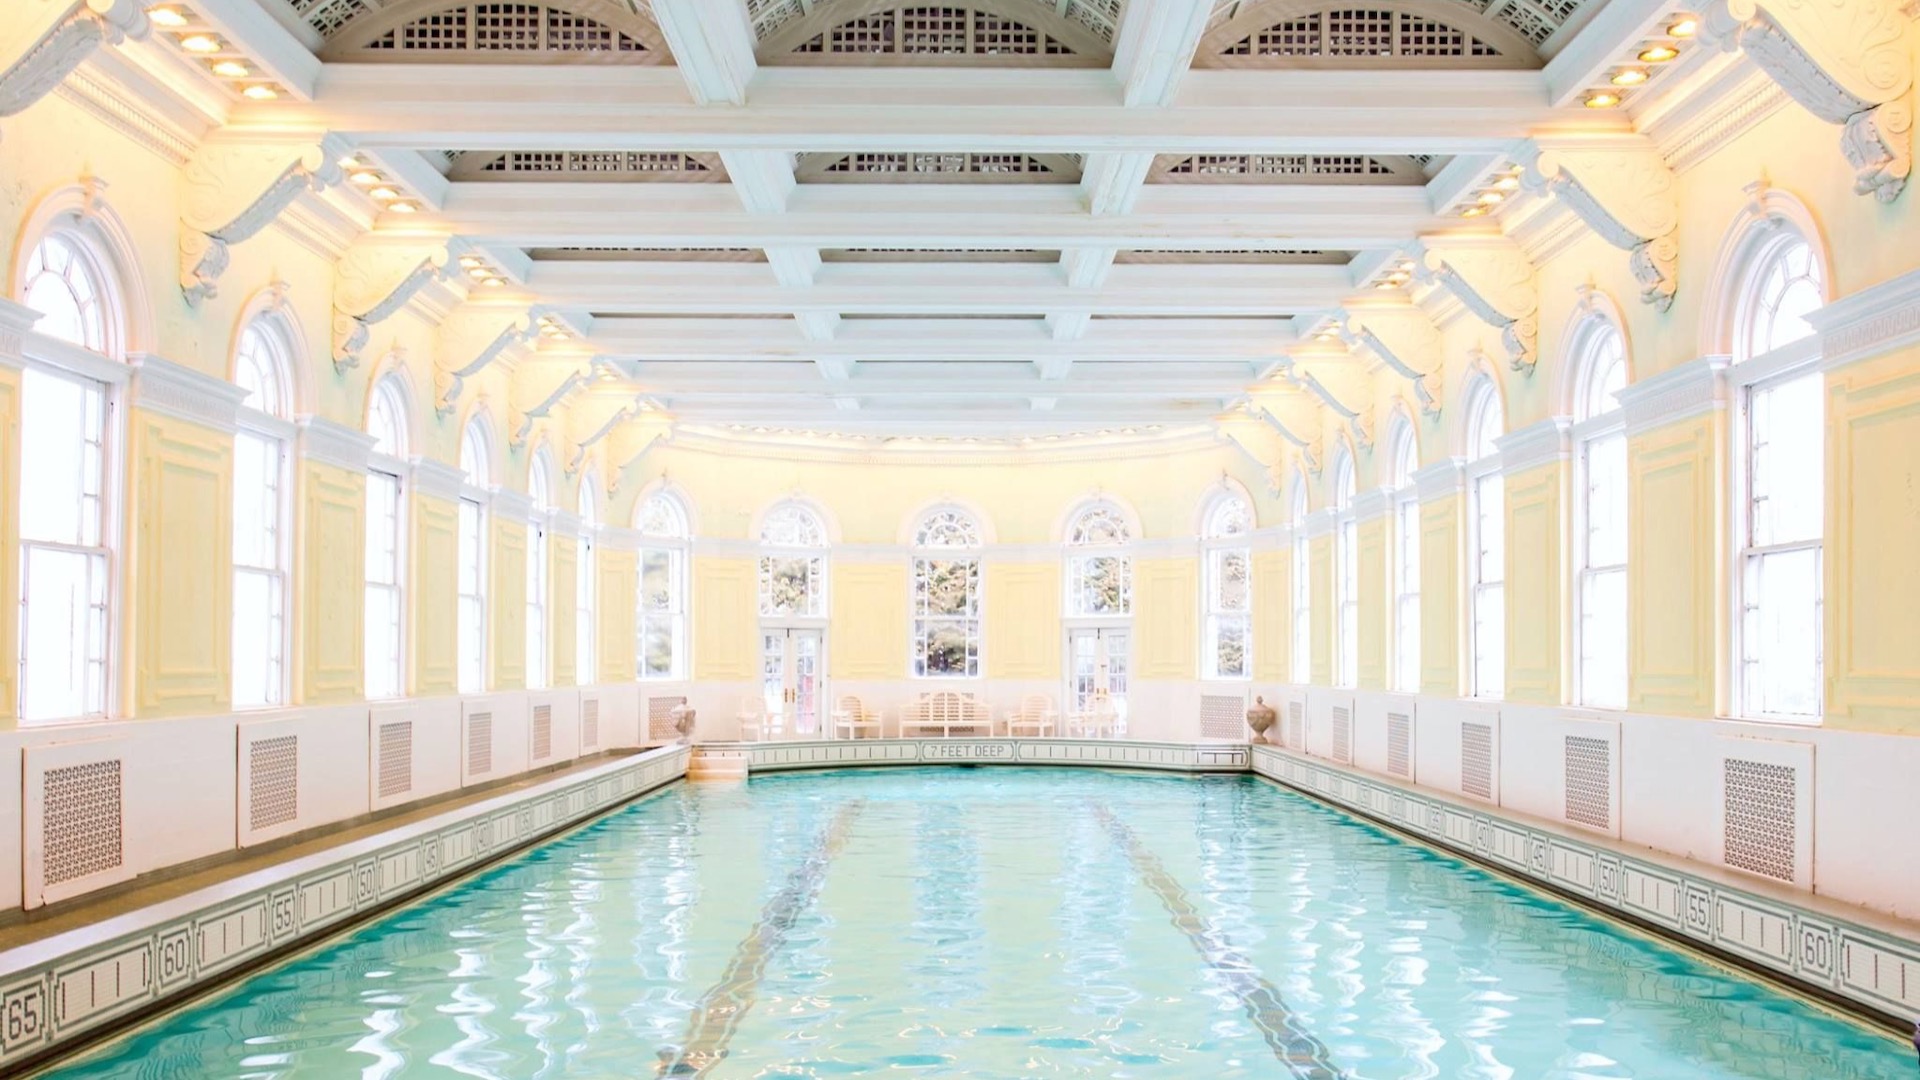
[590, 420]
[44, 47]
[1623, 190]
[471, 338]
[1491, 277]
[1359, 422]
[371, 282]
[1404, 339]
[1259, 442]
[1849, 62]
[235, 188]
[538, 385]
[1294, 416]
[631, 439]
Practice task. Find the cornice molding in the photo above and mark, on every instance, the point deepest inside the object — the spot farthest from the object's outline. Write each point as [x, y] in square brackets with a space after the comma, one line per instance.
[437, 479]
[1320, 523]
[1874, 321]
[1372, 503]
[510, 504]
[1710, 119]
[564, 522]
[1040, 452]
[159, 385]
[123, 113]
[621, 538]
[327, 443]
[15, 321]
[1537, 444]
[1447, 476]
[1695, 387]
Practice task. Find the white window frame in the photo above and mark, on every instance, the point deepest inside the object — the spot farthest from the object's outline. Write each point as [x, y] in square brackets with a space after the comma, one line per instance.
[586, 585]
[920, 623]
[275, 436]
[1597, 424]
[1404, 614]
[393, 468]
[674, 617]
[539, 569]
[474, 502]
[774, 550]
[1346, 573]
[1300, 587]
[1486, 644]
[1081, 552]
[1215, 547]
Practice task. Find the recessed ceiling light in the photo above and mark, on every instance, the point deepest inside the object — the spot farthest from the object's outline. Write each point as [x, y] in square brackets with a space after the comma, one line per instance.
[259, 92]
[230, 69]
[469, 261]
[1473, 211]
[1507, 183]
[1489, 198]
[496, 280]
[479, 272]
[1601, 99]
[384, 194]
[1683, 28]
[402, 207]
[1629, 76]
[168, 17]
[200, 43]
[365, 177]
[1658, 54]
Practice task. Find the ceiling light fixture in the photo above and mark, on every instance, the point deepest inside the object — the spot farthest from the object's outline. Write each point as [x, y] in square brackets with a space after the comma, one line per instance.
[231, 69]
[1683, 28]
[1490, 198]
[469, 261]
[384, 193]
[168, 17]
[1601, 99]
[402, 207]
[200, 43]
[1658, 54]
[495, 280]
[1629, 76]
[479, 272]
[1473, 211]
[260, 92]
[364, 177]
[1507, 183]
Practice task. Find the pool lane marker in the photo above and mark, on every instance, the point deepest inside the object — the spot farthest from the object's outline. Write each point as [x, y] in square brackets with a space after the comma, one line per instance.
[1293, 1044]
[719, 1012]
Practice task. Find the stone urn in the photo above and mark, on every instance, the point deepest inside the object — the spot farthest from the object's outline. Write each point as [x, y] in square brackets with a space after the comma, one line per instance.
[1260, 717]
[682, 717]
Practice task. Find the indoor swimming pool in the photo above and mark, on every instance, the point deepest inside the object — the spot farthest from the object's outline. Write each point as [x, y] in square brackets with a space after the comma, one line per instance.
[994, 922]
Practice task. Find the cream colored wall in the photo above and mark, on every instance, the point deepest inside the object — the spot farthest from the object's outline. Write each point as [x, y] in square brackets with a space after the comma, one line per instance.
[179, 568]
[1674, 553]
[619, 586]
[507, 605]
[1272, 622]
[9, 543]
[1442, 624]
[726, 619]
[1166, 631]
[1022, 630]
[328, 658]
[1537, 585]
[563, 611]
[435, 593]
[1370, 589]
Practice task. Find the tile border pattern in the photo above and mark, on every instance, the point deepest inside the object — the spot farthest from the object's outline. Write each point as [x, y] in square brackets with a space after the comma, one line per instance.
[1859, 964]
[1097, 753]
[52, 994]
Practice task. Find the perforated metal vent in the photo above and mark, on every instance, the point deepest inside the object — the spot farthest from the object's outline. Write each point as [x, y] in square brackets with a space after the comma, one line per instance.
[1400, 744]
[1223, 716]
[1297, 725]
[577, 165]
[1476, 760]
[935, 167]
[1760, 833]
[1360, 34]
[590, 723]
[1589, 782]
[660, 718]
[1343, 733]
[480, 744]
[273, 784]
[1282, 169]
[526, 29]
[80, 830]
[542, 732]
[926, 31]
[396, 758]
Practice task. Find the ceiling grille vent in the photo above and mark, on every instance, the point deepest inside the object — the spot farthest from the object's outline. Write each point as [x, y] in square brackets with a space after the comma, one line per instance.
[660, 718]
[81, 825]
[522, 29]
[936, 31]
[1400, 744]
[1360, 34]
[273, 781]
[589, 723]
[624, 165]
[1589, 782]
[542, 732]
[1223, 716]
[1282, 169]
[394, 772]
[935, 167]
[1476, 760]
[1297, 725]
[1760, 831]
[479, 744]
[327, 16]
[1343, 733]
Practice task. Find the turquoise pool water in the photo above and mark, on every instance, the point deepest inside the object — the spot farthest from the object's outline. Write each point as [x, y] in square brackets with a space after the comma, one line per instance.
[994, 923]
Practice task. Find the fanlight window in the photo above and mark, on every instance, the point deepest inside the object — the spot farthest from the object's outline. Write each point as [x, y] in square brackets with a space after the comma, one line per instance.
[1229, 561]
[662, 522]
[947, 529]
[661, 516]
[1786, 290]
[65, 285]
[383, 419]
[793, 578]
[259, 368]
[946, 597]
[1099, 584]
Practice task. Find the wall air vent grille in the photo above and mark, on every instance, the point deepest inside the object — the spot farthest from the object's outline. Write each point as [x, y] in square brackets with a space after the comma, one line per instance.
[1223, 716]
[1343, 733]
[660, 718]
[1589, 782]
[542, 732]
[1400, 744]
[479, 744]
[1296, 725]
[81, 830]
[1760, 830]
[273, 781]
[1476, 760]
[396, 758]
[589, 723]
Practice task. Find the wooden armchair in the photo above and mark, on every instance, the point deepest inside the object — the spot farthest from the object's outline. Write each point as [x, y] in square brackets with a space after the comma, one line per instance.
[853, 716]
[1035, 716]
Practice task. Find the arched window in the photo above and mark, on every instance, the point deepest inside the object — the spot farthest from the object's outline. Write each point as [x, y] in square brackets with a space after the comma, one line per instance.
[1301, 584]
[476, 457]
[1487, 548]
[1406, 557]
[66, 513]
[1099, 583]
[793, 569]
[946, 595]
[540, 491]
[1600, 533]
[662, 522]
[586, 585]
[1346, 572]
[261, 514]
[385, 649]
[1779, 489]
[1225, 539]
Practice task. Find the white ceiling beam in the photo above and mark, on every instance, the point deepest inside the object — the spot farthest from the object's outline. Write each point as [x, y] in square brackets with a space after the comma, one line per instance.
[712, 43]
[507, 107]
[278, 52]
[924, 381]
[1153, 341]
[1013, 416]
[1155, 47]
[1609, 39]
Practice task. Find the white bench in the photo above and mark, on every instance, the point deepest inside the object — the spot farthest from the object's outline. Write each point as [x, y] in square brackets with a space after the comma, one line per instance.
[946, 710]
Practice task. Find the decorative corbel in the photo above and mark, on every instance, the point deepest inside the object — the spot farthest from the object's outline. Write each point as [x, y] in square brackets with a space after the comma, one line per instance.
[1404, 339]
[1623, 190]
[1849, 62]
[372, 281]
[1259, 442]
[1492, 278]
[471, 338]
[631, 440]
[1301, 416]
[44, 43]
[590, 420]
[1360, 423]
[235, 188]
[538, 385]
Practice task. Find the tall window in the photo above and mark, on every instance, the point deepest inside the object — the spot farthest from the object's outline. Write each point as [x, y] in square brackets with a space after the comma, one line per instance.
[662, 522]
[1228, 645]
[1600, 534]
[793, 572]
[946, 595]
[1780, 466]
[586, 586]
[65, 558]
[1487, 547]
[1099, 582]
[1302, 585]
[385, 649]
[1406, 560]
[1346, 573]
[260, 518]
[476, 455]
[539, 490]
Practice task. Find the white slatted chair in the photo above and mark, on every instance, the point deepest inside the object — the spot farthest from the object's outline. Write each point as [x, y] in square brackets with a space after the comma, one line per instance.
[945, 710]
[1035, 716]
[1098, 720]
[756, 723]
[853, 716]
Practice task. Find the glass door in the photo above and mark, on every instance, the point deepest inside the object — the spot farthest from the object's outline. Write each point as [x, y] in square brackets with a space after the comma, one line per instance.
[1099, 659]
[790, 678]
